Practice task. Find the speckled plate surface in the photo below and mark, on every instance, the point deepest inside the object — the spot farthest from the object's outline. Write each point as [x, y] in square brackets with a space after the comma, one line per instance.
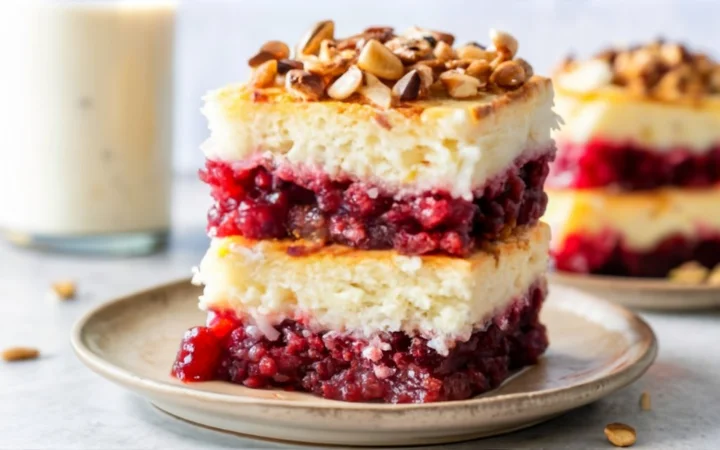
[596, 348]
[642, 293]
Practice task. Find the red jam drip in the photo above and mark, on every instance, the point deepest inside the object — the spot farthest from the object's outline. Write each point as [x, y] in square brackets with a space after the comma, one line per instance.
[397, 368]
[606, 254]
[601, 163]
[264, 203]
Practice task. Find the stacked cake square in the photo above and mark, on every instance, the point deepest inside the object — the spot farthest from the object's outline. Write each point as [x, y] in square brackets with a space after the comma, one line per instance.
[635, 190]
[375, 227]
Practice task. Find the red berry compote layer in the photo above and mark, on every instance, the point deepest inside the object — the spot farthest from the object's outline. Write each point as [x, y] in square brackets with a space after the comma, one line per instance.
[389, 367]
[261, 202]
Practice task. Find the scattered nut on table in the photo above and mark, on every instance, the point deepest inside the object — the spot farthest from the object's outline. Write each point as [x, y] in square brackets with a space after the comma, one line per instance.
[20, 354]
[645, 402]
[620, 435]
[64, 290]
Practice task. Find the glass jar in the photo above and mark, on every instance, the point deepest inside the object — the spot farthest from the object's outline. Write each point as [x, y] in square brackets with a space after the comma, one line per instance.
[86, 124]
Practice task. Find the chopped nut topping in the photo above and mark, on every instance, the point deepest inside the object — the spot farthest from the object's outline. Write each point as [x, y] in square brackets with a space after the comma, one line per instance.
[380, 61]
[20, 354]
[310, 44]
[305, 85]
[376, 92]
[443, 51]
[325, 67]
[480, 70]
[264, 74]
[620, 435]
[285, 65]
[689, 273]
[659, 70]
[470, 52]
[460, 85]
[645, 404]
[408, 87]
[504, 42]
[508, 74]
[347, 84]
[64, 290]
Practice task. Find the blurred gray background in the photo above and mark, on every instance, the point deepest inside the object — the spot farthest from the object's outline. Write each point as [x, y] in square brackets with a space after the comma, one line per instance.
[215, 38]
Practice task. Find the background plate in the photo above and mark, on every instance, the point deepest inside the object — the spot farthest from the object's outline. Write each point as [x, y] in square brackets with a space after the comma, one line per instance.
[643, 293]
[596, 348]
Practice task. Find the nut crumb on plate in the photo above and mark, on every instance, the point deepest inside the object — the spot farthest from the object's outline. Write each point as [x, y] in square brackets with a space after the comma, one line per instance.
[620, 435]
[714, 278]
[20, 354]
[692, 272]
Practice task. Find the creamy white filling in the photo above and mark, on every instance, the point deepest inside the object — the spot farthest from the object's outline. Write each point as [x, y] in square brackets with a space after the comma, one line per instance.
[365, 292]
[658, 127]
[641, 219]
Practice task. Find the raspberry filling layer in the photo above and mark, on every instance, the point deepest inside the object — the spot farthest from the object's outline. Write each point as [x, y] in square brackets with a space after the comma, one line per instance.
[599, 163]
[262, 203]
[391, 367]
[606, 254]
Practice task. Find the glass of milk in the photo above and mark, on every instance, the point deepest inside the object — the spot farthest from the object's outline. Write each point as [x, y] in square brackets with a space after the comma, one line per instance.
[85, 124]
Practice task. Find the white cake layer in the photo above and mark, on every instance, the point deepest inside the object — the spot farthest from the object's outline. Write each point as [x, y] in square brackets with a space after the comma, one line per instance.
[364, 292]
[640, 219]
[656, 126]
[444, 144]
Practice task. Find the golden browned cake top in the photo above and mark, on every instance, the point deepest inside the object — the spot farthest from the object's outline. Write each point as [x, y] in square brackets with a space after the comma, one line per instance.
[660, 71]
[386, 69]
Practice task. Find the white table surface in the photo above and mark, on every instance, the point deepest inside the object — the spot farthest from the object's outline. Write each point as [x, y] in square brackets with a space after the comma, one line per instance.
[56, 403]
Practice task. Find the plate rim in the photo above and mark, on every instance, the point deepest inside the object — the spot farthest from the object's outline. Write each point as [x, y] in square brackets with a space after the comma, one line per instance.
[627, 283]
[612, 382]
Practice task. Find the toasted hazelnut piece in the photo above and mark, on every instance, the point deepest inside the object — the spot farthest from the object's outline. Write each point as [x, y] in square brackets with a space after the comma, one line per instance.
[330, 69]
[409, 51]
[264, 74]
[285, 65]
[472, 52]
[64, 290]
[422, 33]
[714, 278]
[459, 85]
[278, 49]
[674, 84]
[674, 54]
[526, 67]
[328, 50]
[409, 86]
[508, 74]
[19, 354]
[378, 60]
[308, 86]
[503, 41]
[620, 435]
[310, 43]
[587, 76]
[443, 51]
[480, 70]
[376, 92]
[259, 58]
[691, 272]
[427, 76]
[645, 403]
[347, 84]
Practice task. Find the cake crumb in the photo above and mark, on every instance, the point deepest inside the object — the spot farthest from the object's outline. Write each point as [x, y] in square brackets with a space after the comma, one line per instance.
[714, 277]
[691, 272]
[620, 435]
[64, 290]
[645, 403]
[13, 354]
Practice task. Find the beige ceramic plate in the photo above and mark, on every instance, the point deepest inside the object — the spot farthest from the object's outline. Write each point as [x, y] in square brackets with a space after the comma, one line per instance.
[596, 348]
[645, 293]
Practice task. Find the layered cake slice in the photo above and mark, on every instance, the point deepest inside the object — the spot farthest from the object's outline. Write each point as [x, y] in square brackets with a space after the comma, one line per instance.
[635, 189]
[375, 227]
